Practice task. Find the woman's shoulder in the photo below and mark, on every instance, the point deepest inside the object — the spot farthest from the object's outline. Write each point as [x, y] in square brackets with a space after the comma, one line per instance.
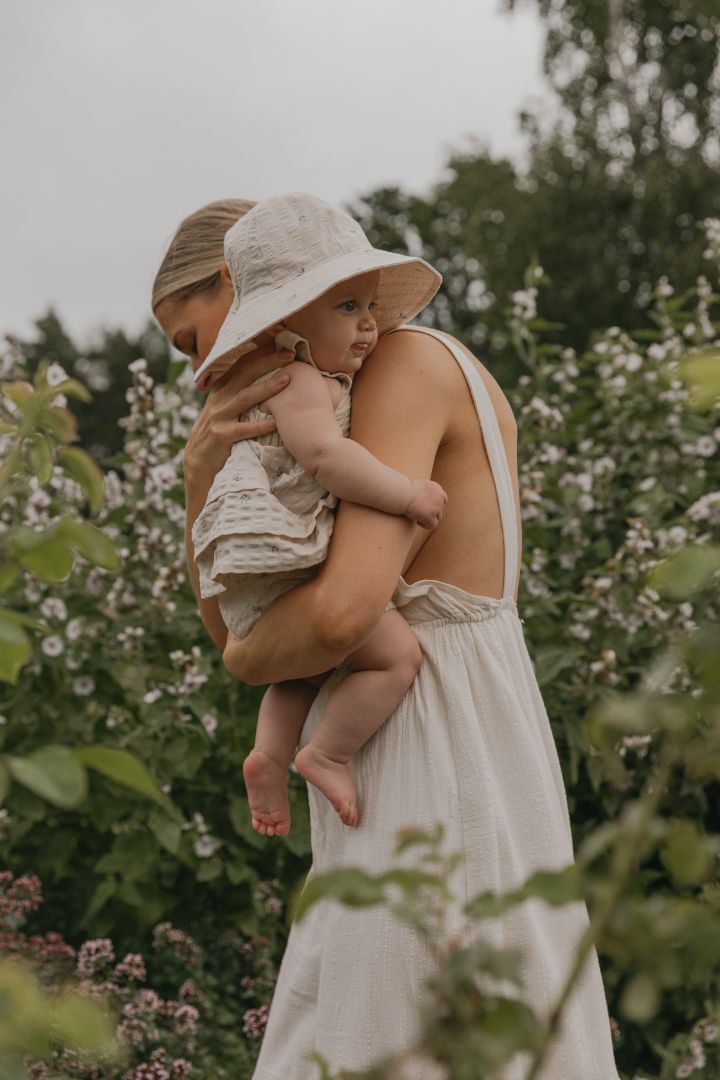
[423, 368]
[419, 362]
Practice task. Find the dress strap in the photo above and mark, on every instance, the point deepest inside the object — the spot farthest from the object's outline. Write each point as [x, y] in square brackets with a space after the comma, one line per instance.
[496, 455]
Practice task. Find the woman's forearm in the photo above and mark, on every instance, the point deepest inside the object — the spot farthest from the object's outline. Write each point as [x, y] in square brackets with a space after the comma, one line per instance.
[197, 487]
[281, 646]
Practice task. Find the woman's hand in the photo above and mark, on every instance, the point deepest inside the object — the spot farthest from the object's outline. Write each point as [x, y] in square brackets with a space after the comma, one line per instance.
[209, 444]
[219, 426]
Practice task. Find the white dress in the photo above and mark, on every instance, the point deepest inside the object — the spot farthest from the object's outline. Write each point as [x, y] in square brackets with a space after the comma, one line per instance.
[266, 524]
[470, 746]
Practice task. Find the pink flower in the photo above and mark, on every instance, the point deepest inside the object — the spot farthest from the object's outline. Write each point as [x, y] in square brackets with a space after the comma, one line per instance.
[132, 967]
[94, 955]
[255, 1021]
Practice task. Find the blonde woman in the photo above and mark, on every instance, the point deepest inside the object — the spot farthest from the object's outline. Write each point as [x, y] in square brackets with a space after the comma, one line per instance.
[469, 745]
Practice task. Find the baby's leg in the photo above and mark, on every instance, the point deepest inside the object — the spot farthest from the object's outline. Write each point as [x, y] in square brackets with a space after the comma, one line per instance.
[383, 669]
[283, 711]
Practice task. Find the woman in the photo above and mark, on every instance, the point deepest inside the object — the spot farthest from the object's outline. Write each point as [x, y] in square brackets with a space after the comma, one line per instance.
[469, 746]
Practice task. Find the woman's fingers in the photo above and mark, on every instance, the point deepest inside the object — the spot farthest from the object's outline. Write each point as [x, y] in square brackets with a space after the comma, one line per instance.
[248, 368]
[244, 399]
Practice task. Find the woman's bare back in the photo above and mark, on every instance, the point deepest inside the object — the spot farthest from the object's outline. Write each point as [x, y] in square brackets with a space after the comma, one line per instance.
[466, 549]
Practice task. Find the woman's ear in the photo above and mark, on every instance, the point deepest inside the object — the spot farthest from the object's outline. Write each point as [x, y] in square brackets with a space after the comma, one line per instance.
[225, 276]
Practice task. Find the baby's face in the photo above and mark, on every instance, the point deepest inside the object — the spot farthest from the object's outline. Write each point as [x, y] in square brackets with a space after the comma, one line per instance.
[340, 326]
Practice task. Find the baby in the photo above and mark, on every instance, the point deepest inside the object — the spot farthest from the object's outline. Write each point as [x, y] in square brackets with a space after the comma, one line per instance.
[306, 276]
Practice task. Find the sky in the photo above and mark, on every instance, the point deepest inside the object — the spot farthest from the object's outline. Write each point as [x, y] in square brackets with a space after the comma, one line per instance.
[119, 118]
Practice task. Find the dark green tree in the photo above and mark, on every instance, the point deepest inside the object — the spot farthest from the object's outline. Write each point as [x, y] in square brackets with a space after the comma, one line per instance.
[613, 185]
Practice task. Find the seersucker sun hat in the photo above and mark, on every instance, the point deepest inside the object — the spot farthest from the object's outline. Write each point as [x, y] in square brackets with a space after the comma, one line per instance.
[289, 250]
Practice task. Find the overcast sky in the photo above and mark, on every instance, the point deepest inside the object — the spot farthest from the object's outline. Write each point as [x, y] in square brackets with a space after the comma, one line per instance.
[118, 117]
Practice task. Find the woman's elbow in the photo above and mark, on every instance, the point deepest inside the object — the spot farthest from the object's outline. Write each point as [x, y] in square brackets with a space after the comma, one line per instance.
[237, 662]
[341, 627]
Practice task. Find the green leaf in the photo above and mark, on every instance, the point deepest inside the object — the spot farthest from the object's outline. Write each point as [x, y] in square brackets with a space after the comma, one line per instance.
[488, 905]
[51, 558]
[18, 392]
[60, 422]
[4, 782]
[701, 373]
[685, 853]
[90, 541]
[89, 476]
[687, 573]
[640, 999]
[40, 457]
[82, 1023]
[350, 886]
[122, 767]
[550, 660]
[555, 887]
[74, 389]
[102, 893]
[53, 773]
[9, 573]
[413, 837]
[167, 832]
[15, 648]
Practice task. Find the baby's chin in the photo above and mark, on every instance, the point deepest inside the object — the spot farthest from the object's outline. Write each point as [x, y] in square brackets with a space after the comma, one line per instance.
[348, 364]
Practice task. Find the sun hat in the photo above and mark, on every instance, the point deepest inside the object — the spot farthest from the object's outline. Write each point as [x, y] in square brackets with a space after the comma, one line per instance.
[289, 250]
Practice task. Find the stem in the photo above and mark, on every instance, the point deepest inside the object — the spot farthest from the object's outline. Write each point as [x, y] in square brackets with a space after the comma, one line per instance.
[622, 868]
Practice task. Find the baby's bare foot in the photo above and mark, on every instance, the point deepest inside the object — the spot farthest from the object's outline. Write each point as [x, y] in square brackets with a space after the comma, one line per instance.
[333, 779]
[266, 783]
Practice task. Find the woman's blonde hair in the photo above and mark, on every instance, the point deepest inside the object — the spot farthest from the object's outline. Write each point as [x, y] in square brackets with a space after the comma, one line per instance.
[195, 254]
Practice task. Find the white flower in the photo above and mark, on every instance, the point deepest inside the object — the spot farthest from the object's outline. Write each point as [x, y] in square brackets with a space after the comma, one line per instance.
[56, 374]
[586, 503]
[677, 535]
[83, 686]
[633, 362]
[52, 645]
[164, 476]
[209, 722]
[74, 629]
[137, 366]
[152, 696]
[3, 720]
[603, 583]
[705, 446]
[53, 608]
[205, 847]
[664, 288]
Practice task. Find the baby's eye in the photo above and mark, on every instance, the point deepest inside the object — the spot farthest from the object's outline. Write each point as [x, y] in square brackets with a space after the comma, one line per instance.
[348, 305]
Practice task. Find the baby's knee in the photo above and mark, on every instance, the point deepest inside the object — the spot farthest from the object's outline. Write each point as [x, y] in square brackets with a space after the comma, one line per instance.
[409, 658]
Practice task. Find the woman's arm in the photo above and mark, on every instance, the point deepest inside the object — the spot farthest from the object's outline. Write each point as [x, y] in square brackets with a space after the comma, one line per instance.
[401, 408]
[212, 437]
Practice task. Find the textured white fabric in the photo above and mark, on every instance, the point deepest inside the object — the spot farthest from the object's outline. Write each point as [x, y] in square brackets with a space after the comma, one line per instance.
[266, 524]
[470, 746]
[289, 250]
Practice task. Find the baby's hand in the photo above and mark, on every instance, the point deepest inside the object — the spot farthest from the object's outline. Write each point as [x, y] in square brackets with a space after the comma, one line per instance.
[427, 503]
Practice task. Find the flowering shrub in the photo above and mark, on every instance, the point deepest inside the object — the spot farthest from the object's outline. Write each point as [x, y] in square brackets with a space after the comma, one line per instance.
[620, 486]
[617, 474]
[124, 661]
[169, 1011]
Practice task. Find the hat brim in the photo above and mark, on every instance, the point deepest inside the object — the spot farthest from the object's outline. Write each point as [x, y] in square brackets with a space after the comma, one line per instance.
[406, 285]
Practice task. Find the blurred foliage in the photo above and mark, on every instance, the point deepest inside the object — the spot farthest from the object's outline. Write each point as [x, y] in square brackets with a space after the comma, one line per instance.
[617, 171]
[647, 868]
[104, 366]
[121, 673]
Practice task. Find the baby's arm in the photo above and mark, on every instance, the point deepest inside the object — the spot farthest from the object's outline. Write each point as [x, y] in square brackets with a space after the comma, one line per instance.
[307, 425]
